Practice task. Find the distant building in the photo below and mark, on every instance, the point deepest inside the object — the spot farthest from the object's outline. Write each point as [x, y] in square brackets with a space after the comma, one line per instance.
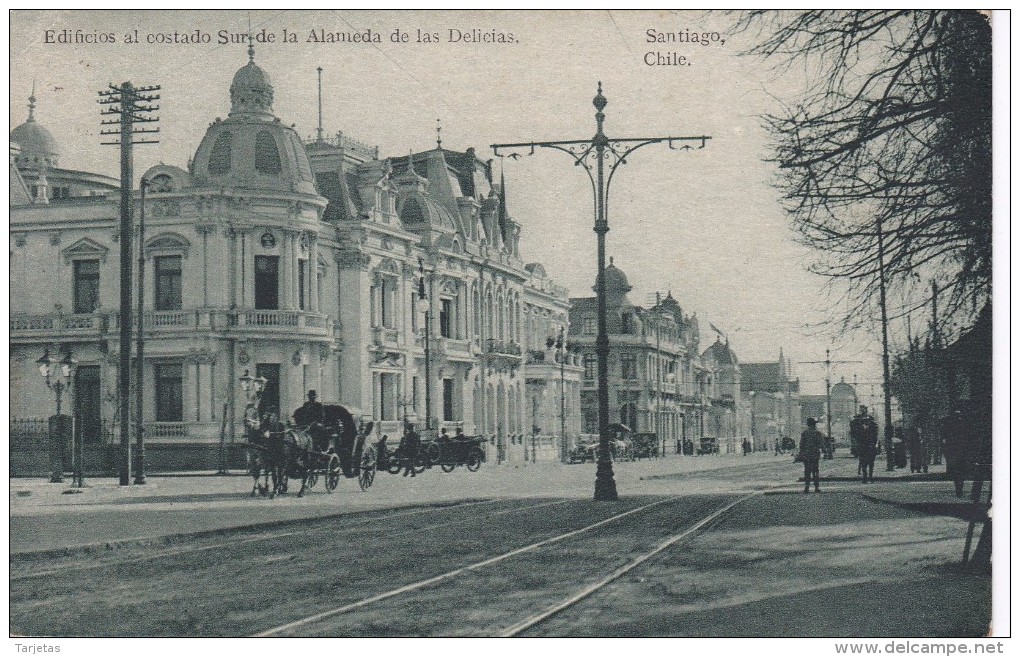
[843, 400]
[773, 396]
[728, 418]
[657, 382]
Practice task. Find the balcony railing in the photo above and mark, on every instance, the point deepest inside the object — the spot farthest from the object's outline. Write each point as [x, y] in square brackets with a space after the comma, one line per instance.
[55, 322]
[166, 429]
[502, 348]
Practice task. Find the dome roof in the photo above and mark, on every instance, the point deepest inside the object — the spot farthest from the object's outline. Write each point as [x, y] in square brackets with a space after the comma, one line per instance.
[38, 147]
[251, 91]
[616, 280]
[252, 149]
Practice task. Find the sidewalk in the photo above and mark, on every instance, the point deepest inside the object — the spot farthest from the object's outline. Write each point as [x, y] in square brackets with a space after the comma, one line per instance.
[46, 517]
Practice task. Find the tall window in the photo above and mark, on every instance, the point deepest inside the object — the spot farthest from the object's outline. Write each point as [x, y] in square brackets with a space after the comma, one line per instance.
[626, 323]
[628, 415]
[267, 282]
[389, 301]
[302, 276]
[591, 363]
[628, 366]
[168, 283]
[448, 400]
[86, 286]
[387, 396]
[446, 318]
[169, 392]
[588, 326]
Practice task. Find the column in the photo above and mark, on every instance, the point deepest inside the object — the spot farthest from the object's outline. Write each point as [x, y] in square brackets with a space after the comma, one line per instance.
[287, 301]
[313, 272]
[295, 261]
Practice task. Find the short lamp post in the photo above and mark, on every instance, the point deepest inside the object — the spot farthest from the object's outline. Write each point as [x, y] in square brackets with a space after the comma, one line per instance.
[252, 387]
[59, 376]
[563, 351]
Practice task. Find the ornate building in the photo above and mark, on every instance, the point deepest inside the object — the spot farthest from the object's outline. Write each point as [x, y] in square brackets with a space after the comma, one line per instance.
[657, 382]
[296, 260]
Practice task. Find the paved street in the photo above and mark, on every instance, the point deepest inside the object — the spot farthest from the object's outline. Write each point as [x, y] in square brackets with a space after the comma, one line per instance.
[486, 553]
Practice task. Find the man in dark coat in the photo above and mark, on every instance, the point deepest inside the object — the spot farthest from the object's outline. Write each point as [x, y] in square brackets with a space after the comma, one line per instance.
[409, 447]
[810, 452]
[956, 437]
[312, 417]
[864, 434]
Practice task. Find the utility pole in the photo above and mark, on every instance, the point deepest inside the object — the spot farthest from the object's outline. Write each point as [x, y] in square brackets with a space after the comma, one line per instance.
[130, 105]
[595, 153]
[890, 460]
[139, 369]
[828, 386]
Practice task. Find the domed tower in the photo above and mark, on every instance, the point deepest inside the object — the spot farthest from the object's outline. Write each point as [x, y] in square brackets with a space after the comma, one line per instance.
[38, 148]
[251, 148]
[617, 285]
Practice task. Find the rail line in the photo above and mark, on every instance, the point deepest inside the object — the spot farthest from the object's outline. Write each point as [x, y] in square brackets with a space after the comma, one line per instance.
[536, 619]
[413, 586]
[271, 536]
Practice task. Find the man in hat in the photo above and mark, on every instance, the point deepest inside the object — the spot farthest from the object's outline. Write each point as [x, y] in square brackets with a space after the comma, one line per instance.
[810, 452]
[311, 416]
[864, 434]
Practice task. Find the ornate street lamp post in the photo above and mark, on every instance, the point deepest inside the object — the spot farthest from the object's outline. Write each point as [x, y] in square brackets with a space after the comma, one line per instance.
[59, 377]
[600, 150]
[425, 306]
[563, 351]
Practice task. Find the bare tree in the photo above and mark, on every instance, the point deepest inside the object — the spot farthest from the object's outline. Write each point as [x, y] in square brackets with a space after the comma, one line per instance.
[895, 135]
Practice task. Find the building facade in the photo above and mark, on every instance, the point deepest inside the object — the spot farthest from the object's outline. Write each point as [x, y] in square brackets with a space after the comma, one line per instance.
[773, 397]
[657, 382]
[303, 261]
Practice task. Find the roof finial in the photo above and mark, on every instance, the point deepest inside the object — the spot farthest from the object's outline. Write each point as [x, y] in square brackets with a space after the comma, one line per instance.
[31, 103]
[251, 43]
[319, 129]
[610, 261]
[410, 161]
[439, 134]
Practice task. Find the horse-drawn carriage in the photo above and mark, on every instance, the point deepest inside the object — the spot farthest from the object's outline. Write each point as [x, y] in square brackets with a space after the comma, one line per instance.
[332, 449]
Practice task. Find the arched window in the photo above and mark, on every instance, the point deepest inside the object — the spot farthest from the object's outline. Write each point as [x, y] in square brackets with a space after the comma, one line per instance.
[219, 159]
[267, 155]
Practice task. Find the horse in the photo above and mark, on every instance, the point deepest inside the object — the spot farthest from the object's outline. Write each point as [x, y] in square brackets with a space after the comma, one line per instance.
[265, 436]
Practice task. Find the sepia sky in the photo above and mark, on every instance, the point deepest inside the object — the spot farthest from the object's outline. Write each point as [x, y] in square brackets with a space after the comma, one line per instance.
[704, 224]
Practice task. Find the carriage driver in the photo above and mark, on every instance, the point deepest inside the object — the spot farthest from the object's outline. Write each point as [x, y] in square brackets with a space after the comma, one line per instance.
[311, 415]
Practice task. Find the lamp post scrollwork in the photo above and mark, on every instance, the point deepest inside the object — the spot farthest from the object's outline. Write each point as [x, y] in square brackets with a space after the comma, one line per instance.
[59, 376]
[601, 157]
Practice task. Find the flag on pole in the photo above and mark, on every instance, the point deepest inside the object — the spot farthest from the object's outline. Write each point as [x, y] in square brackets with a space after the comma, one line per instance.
[721, 334]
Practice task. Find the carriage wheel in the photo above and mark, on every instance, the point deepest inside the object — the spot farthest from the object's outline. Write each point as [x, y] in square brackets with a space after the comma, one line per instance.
[474, 460]
[333, 472]
[366, 473]
[448, 467]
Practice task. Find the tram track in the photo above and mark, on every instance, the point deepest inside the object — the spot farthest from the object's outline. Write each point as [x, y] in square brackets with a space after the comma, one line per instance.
[430, 584]
[423, 583]
[242, 540]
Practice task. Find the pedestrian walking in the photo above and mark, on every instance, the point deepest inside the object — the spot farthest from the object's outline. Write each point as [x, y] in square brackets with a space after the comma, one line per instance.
[810, 452]
[912, 435]
[409, 448]
[864, 434]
